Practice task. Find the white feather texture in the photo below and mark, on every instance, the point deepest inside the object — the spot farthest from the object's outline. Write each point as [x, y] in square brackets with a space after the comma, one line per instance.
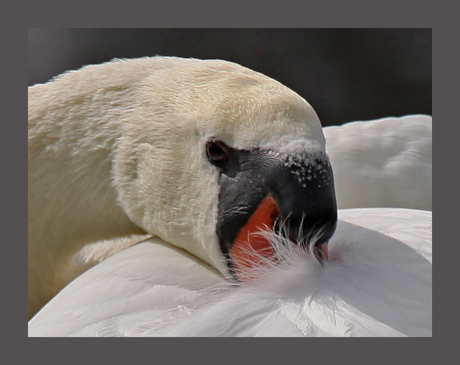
[382, 163]
[117, 155]
[376, 283]
[117, 151]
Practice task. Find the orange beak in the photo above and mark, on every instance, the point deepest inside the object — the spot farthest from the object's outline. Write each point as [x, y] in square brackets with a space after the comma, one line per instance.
[250, 249]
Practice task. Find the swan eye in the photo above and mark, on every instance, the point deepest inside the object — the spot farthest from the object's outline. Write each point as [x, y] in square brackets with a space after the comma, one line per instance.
[217, 152]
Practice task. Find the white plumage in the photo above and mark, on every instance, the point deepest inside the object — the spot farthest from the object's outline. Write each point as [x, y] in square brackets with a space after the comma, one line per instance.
[376, 283]
[117, 151]
[382, 163]
[115, 160]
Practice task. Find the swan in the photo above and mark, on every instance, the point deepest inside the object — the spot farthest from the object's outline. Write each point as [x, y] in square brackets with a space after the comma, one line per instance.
[382, 163]
[173, 163]
[199, 153]
[376, 282]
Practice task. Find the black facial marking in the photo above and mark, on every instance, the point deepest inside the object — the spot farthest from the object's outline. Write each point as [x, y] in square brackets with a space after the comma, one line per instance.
[302, 186]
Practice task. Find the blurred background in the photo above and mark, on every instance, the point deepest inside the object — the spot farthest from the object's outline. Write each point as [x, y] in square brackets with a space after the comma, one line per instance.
[345, 74]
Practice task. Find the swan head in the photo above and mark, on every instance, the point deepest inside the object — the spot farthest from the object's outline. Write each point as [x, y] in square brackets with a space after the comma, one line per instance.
[213, 152]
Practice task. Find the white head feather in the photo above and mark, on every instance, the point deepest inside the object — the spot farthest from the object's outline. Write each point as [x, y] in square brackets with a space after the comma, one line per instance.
[118, 149]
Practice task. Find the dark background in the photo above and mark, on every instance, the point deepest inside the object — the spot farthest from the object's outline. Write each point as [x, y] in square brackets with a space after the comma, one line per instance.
[345, 74]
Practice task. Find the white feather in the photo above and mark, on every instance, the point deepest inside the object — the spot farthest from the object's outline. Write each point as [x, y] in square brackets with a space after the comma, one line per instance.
[376, 283]
[117, 151]
[108, 156]
[382, 163]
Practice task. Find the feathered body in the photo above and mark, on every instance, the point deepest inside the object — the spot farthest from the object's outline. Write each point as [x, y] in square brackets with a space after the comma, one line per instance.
[376, 283]
[382, 163]
[116, 155]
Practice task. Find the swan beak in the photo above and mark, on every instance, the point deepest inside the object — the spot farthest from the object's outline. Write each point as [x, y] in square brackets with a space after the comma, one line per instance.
[261, 191]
